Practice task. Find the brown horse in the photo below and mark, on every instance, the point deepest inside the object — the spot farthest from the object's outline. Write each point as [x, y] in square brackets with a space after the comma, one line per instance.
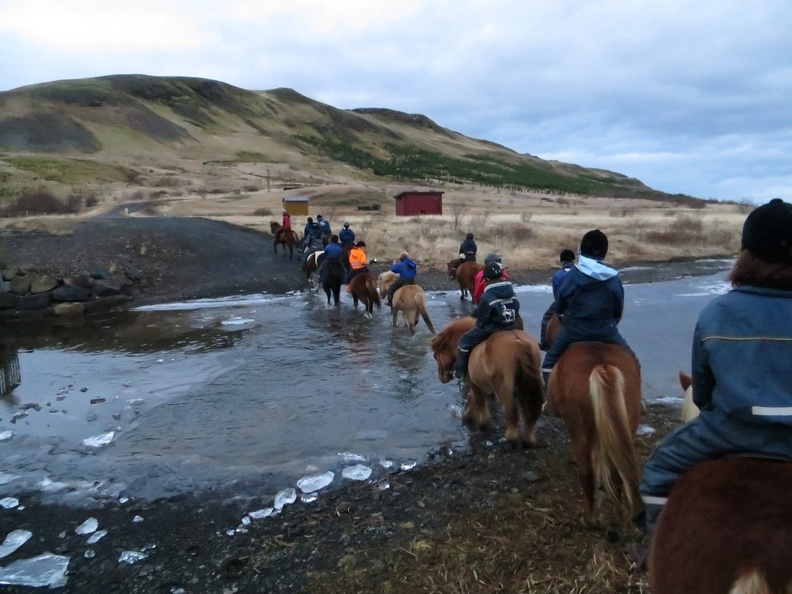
[506, 366]
[465, 275]
[727, 527]
[364, 290]
[553, 328]
[596, 390]
[287, 238]
[410, 300]
[311, 268]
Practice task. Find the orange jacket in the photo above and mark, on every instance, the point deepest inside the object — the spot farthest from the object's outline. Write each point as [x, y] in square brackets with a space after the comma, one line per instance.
[357, 258]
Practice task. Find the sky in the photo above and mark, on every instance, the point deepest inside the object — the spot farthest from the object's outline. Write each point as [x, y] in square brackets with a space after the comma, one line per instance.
[688, 97]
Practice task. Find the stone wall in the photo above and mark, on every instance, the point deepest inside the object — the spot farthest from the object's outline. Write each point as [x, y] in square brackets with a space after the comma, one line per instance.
[30, 295]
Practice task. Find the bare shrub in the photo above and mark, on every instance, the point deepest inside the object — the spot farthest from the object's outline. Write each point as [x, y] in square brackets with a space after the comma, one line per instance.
[458, 211]
[479, 221]
[91, 200]
[262, 212]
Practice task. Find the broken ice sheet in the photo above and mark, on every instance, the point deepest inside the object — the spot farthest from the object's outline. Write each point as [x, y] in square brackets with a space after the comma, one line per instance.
[9, 502]
[97, 441]
[45, 570]
[645, 430]
[351, 457]
[88, 527]
[358, 472]
[97, 536]
[4, 435]
[6, 478]
[14, 540]
[314, 482]
[260, 514]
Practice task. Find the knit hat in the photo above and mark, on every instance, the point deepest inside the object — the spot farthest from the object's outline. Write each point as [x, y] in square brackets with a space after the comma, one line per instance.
[767, 232]
[346, 224]
[493, 270]
[469, 236]
[492, 258]
[567, 256]
[594, 244]
[361, 244]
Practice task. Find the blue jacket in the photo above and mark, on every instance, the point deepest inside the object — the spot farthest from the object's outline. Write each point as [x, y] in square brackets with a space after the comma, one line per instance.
[591, 297]
[558, 277]
[406, 269]
[333, 251]
[469, 248]
[347, 236]
[324, 226]
[312, 229]
[742, 356]
[498, 308]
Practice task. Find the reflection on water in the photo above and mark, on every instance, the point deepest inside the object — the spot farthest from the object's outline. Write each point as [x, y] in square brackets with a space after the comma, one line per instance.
[10, 376]
[251, 394]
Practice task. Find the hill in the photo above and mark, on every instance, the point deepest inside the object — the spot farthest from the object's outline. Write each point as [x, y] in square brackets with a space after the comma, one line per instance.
[93, 135]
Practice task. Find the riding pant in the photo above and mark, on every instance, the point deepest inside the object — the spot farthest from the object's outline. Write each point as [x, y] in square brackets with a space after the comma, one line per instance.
[711, 435]
[398, 284]
[607, 332]
[543, 330]
[467, 343]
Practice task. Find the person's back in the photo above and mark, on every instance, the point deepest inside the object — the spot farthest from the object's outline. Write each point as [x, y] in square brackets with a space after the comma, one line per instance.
[333, 257]
[567, 259]
[740, 361]
[286, 224]
[358, 262]
[468, 249]
[480, 283]
[590, 301]
[347, 236]
[407, 270]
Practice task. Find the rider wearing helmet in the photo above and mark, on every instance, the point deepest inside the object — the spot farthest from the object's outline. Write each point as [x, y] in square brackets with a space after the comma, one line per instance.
[468, 249]
[358, 262]
[347, 236]
[497, 310]
[480, 282]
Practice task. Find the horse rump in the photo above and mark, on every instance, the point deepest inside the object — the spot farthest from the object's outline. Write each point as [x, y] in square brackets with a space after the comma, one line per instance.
[727, 528]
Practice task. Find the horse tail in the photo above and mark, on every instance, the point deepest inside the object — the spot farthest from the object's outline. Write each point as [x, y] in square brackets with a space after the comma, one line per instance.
[371, 287]
[529, 373]
[614, 450]
[751, 581]
[420, 303]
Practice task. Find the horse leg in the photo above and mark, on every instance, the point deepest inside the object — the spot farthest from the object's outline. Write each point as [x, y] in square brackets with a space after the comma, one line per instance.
[581, 453]
[476, 413]
[394, 316]
[274, 246]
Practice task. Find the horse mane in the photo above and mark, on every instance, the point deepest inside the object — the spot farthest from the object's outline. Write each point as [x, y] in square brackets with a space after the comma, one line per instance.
[448, 338]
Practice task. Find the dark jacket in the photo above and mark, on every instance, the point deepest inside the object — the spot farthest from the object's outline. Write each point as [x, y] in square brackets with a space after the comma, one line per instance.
[347, 236]
[469, 248]
[333, 251]
[498, 308]
[591, 297]
[558, 277]
[312, 229]
[406, 269]
[324, 226]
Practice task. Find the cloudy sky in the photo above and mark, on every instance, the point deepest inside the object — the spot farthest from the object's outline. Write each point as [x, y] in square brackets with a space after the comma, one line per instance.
[689, 97]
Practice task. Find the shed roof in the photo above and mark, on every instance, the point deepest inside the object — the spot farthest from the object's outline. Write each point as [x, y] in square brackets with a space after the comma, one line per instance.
[295, 199]
[423, 192]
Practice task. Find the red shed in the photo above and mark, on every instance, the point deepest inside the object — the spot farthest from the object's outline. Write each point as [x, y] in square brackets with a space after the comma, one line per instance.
[428, 202]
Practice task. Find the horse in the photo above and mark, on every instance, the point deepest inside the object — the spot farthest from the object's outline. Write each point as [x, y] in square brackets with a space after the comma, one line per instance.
[311, 266]
[332, 281]
[726, 528]
[465, 275]
[409, 299]
[288, 237]
[596, 390]
[554, 326]
[507, 366]
[363, 288]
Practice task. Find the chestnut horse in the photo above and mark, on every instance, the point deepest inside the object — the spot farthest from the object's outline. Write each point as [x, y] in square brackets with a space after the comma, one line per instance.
[410, 300]
[727, 527]
[288, 238]
[506, 365]
[465, 275]
[364, 290]
[596, 390]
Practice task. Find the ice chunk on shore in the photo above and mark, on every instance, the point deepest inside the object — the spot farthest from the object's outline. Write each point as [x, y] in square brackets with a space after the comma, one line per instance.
[97, 536]
[314, 482]
[130, 557]
[285, 497]
[9, 502]
[88, 527]
[97, 441]
[14, 540]
[260, 514]
[358, 472]
[45, 570]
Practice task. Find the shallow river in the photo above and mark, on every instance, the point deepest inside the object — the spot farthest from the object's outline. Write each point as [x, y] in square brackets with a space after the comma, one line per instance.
[246, 395]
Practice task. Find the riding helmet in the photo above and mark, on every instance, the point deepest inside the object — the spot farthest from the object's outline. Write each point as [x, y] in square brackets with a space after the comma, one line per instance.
[469, 236]
[492, 258]
[310, 220]
[767, 232]
[493, 270]
[346, 225]
[361, 244]
[567, 256]
[334, 238]
[594, 244]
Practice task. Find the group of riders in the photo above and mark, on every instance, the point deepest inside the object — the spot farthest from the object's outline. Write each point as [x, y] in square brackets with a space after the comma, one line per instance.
[741, 352]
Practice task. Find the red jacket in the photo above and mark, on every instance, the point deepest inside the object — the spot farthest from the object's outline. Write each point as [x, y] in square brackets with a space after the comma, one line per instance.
[286, 221]
[480, 283]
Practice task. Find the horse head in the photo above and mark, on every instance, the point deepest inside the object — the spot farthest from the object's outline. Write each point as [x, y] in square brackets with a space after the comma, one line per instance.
[451, 269]
[444, 347]
[274, 226]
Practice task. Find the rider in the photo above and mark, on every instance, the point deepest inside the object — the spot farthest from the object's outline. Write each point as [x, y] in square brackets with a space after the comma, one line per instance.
[347, 236]
[741, 354]
[358, 262]
[407, 270]
[333, 256]
[285, 225]
[590, 301]
[311, 234]
[324, 226]
[480, 283]
[498, 310]
[567, 259]
[467, 252]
